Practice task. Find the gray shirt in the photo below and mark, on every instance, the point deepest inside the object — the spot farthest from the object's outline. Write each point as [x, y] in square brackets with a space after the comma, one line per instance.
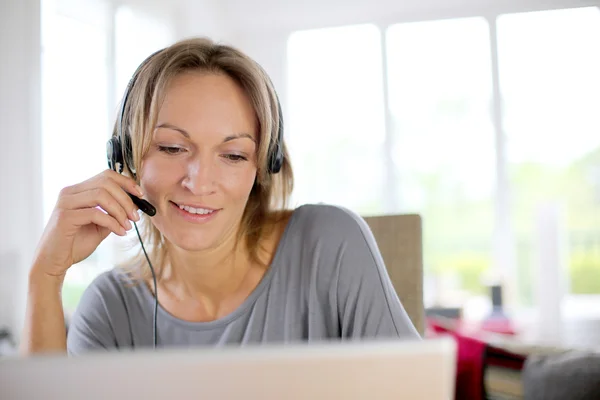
[327, 281]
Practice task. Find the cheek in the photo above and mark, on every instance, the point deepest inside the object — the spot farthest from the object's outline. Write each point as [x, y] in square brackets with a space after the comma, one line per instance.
[155, 177]
[239, 183]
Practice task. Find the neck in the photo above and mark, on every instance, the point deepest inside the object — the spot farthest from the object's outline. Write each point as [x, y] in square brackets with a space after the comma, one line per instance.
[209, 275]
[200, 286]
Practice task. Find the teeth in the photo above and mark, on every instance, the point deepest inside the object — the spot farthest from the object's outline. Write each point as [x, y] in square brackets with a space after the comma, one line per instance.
[193, 210]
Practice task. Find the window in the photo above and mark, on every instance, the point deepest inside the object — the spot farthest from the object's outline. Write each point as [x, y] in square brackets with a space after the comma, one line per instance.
[137, 35]
[439, 80]
[437, 124]
[549, 63]
[80, 72]
[74, 111]
[336, 131]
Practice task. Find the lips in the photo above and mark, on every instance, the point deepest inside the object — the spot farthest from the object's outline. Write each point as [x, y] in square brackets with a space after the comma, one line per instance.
[195, 209]
[195, 212]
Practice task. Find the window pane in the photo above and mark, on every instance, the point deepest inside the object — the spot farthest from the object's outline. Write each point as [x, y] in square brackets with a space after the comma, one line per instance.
[74, 110]
[336, 130]
[137, 35]
[549, 63]
[440, 96]
[77, 113]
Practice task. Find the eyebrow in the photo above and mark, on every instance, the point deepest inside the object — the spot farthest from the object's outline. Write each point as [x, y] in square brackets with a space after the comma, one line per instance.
[173, 127]
[187, 135]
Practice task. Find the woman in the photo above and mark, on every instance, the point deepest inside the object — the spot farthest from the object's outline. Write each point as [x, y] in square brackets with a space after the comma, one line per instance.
[201, 129]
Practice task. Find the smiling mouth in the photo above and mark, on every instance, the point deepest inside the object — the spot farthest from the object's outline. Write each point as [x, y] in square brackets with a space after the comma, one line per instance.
[195, 210]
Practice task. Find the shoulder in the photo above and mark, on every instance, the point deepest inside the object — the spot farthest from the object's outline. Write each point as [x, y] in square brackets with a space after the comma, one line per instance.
[102, 315]
[323, 216]
[109, 283]
[110, 294]
[104, 295]
[333, 223]
[332, 234]
[326, 210]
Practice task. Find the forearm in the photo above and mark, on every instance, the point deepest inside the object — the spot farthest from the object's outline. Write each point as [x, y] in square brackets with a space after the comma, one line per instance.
[44, 329]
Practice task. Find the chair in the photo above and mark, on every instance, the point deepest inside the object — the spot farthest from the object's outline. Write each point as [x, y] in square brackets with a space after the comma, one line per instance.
[399, 238]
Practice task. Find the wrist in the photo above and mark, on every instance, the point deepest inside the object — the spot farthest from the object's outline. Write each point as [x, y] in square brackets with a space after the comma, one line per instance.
[38, 276]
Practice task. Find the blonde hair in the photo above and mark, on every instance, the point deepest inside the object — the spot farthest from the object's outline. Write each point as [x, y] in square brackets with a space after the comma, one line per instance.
[270, 193]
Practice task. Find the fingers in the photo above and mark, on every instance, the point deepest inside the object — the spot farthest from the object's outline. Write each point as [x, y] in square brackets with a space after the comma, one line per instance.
[118, 205]
[116, 191]
[107, 191]
[102, 179]
[88, 216]
[124, 182]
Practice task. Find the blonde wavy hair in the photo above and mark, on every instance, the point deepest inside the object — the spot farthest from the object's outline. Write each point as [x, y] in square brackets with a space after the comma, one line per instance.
[268, 198]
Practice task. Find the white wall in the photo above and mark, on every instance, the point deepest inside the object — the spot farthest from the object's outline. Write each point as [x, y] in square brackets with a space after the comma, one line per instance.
[202, 18]
[225, 21]
[20, 172]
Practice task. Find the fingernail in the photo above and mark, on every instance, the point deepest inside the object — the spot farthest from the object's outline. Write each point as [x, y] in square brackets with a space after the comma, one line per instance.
[128, 224]
[135, 215]
[139, 190]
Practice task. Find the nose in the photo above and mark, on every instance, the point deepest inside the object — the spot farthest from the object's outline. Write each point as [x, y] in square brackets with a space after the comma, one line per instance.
[200, 177]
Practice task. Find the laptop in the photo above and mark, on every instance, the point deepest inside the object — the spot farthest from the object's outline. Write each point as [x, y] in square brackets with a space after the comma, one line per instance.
[347, 370]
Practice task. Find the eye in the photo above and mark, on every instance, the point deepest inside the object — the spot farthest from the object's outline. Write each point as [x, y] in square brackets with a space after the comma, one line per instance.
[235, 157]
[170, 150]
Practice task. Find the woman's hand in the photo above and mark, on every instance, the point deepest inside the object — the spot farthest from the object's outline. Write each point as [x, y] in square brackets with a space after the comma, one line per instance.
[83, 217]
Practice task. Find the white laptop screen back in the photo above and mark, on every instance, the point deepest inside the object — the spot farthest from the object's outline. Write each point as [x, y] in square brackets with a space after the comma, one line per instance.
[381, 370]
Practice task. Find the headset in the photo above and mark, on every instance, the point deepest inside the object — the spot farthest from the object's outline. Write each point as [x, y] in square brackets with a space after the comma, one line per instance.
[119, 152]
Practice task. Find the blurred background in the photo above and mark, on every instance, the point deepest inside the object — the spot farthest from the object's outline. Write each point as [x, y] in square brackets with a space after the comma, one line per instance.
[482, 116]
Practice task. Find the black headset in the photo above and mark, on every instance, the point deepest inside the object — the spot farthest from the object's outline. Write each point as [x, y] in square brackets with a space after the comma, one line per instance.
[119, 153]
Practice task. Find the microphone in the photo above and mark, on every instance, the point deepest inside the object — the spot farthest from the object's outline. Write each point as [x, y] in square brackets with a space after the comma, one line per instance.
[143, 205]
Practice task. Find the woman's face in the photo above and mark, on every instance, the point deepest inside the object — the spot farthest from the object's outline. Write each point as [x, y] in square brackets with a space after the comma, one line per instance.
[201, 165]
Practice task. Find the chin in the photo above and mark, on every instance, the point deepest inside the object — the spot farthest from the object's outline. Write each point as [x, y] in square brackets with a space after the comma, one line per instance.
[194, 242]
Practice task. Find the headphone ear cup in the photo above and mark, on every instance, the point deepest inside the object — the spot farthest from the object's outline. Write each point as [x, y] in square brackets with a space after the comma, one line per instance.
[114, 154]
[276, 160]
[276, 154]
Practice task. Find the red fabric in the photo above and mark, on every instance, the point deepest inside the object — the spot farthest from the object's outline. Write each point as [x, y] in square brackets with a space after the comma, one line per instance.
[470, 362]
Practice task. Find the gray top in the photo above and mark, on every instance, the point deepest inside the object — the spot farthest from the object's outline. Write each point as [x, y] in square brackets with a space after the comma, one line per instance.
[327, 281]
